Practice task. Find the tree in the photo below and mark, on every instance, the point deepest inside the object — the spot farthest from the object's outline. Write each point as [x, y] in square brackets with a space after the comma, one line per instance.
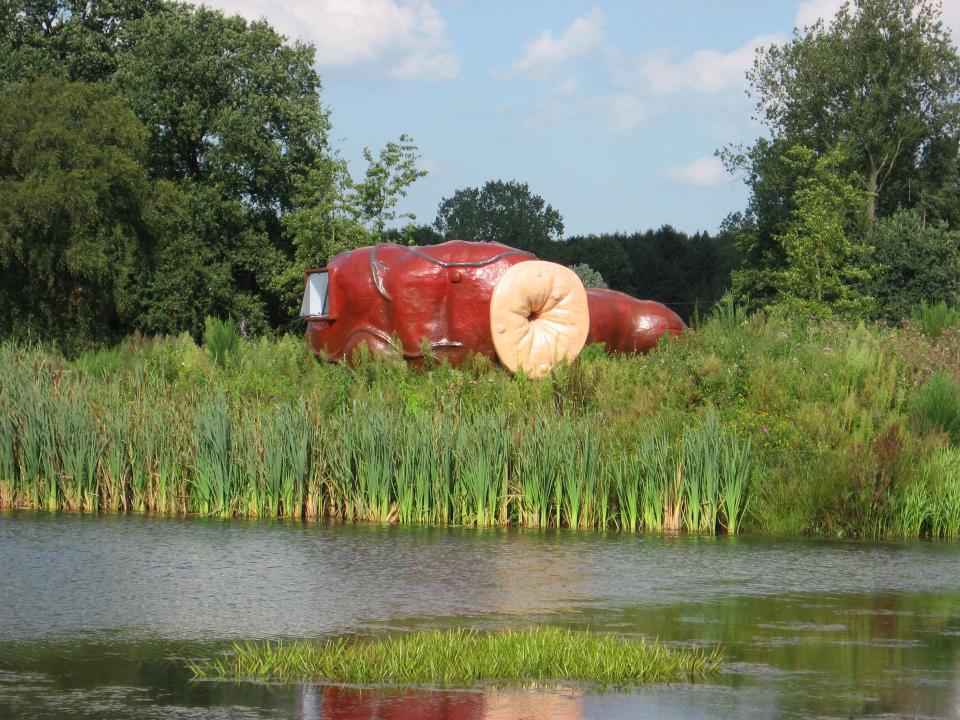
[825, 269]
[919, 261]
[588, 276]
[882, 80]
[214, 263]
[235, 124]
[78, 212]
[387, 178]
[69, 39]
[605, 254]
[506, 212]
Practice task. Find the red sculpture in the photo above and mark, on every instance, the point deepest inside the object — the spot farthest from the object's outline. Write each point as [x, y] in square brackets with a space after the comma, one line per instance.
[461, 297]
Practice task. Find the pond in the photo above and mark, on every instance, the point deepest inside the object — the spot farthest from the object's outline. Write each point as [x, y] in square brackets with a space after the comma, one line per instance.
[99, 615]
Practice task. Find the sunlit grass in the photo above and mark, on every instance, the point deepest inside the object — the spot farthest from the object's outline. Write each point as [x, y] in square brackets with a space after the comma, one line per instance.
[749, 424]
[464, 658]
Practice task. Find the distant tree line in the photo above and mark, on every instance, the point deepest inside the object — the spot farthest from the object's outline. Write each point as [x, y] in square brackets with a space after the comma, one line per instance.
[687, 272]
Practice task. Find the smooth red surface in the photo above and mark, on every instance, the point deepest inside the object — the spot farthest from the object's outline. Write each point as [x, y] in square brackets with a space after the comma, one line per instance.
[398, 299]
[438, 295]
[627, 325]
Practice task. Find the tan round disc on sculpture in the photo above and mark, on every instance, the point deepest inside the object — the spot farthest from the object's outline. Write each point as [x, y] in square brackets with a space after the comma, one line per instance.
[538, 316]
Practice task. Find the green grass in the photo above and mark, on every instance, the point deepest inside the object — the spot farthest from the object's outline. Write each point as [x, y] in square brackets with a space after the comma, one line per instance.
[934, 318]
[936, 404]
[748, 424]
[466, 658]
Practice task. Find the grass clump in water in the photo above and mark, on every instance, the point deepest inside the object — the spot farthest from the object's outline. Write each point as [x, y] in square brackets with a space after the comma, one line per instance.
[464, 658]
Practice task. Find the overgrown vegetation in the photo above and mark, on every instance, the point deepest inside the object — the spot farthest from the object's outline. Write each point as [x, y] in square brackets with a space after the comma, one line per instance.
[464, 658]
[748, 424]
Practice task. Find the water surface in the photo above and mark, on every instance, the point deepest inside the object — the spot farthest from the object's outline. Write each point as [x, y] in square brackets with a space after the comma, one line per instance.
[98, 616]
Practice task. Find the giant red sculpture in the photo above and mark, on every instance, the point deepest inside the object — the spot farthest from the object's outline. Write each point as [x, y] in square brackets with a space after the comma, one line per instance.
[461, 297]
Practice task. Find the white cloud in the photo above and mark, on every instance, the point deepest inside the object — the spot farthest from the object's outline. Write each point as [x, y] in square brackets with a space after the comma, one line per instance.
[708, 72]
[545, 53]
[812, 10]
[702, 172]
[409, 36]
[625, 112]
[568, 86]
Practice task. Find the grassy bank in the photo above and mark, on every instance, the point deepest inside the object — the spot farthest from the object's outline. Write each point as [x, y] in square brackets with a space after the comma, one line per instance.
[747, 424]
[464, 658]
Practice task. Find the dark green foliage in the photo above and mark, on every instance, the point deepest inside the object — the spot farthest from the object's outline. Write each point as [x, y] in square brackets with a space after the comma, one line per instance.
[501, 211]
[881, 80]
[235, 120]
[824, 268]
[229, 116]
[936, 404]
[919, 263]
[879, 83]
[69, 39]
[78, 212]
[687, 272]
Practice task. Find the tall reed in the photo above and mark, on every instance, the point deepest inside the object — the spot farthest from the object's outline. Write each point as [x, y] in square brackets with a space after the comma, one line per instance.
[107, 439]
[942, 472]
[480, 476]
[536, 465]
[654, 463]
[375, 468]
[736, 468]
[78, 446]
[8, 458]
[211, 490]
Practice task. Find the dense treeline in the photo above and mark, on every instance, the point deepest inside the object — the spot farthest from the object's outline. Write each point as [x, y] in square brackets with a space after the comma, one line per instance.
[855, 193]
[161, 163]
[685, 271]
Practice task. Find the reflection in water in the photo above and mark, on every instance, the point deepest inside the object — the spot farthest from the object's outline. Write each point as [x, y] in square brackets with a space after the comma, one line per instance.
[336, 703]
[98, 616]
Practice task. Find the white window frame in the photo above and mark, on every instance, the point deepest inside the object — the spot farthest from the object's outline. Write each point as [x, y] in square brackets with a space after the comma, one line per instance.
[316, 295]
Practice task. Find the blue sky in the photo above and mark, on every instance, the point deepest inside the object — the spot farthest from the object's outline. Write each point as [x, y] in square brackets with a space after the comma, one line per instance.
[609, 110]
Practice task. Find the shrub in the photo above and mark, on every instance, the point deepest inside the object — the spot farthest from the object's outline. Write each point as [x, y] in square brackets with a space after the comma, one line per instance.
[934, 319]
[221, 339]
[936, 405]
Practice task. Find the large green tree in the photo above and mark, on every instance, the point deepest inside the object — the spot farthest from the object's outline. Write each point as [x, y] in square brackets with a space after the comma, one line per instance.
[825, 266]
[234, 121]
[69, 39]
[78, 212]
[881, 80]
[502, 211]
[919, 261]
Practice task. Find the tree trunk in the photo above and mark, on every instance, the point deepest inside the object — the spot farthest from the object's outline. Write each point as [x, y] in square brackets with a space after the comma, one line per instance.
[872, 189]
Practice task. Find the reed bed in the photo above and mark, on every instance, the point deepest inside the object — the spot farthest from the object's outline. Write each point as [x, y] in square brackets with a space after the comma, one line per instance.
[466, 658]
[365, 463]
[749, 424]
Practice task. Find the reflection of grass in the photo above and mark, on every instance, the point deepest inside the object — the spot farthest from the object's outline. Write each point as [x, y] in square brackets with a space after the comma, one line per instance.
[466, 657]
